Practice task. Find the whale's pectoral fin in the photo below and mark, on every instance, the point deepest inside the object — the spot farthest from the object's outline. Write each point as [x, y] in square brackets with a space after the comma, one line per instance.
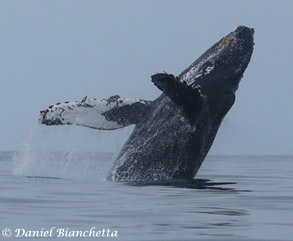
[188, 99]
[107, 114]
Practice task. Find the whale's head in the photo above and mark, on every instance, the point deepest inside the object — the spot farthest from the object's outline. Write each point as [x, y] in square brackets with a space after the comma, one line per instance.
[224, 63]
[219, 70]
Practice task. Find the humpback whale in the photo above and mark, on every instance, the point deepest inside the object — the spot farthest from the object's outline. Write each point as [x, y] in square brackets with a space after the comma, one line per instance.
[174, 132]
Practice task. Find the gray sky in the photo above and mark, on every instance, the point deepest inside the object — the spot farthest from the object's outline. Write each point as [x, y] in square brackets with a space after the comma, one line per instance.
[53, 51]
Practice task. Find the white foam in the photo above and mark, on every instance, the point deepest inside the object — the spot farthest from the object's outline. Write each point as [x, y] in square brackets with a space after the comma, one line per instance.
[67, 152]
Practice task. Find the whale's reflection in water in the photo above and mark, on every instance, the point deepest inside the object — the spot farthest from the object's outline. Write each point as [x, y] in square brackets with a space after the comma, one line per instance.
[206, 208]
[198, 183]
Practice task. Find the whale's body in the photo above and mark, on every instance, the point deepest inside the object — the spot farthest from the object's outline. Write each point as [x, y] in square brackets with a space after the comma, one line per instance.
[163, 146]
[173, 133]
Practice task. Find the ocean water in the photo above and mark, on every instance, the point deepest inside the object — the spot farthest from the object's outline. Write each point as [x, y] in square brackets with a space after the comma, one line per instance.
[232, 198]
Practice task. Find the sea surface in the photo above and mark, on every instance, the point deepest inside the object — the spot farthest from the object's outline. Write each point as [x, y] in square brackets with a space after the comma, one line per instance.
[232, 198]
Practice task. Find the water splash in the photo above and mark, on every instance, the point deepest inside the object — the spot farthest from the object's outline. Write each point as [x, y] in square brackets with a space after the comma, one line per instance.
[68, 152]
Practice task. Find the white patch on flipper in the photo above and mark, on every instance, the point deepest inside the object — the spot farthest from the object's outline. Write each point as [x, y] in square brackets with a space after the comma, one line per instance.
[88, 112]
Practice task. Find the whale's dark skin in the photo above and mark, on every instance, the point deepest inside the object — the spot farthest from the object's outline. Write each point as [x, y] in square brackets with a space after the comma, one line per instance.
[164, 145]
[174, 133]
